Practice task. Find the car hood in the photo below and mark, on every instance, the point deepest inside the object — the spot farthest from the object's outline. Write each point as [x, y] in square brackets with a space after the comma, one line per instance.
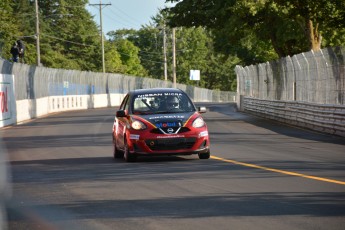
[179, 118]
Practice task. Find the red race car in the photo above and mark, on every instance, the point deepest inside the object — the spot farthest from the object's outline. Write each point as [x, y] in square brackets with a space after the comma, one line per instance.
[161, 121]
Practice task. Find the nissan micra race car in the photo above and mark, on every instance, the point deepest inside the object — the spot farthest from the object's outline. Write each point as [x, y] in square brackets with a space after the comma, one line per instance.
[156, 122]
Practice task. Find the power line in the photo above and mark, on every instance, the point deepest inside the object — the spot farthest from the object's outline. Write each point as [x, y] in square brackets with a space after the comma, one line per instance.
[140, 58]
[123, 12]
[123, 21]
[60, 39]
[81, 6]
[81, 44]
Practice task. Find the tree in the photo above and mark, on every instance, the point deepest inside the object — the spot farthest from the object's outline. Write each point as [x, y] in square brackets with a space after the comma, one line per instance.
[251, 29]
[318, 19]
[69, 37]
[232, 29]
[150, 40]
[113, 63]
[124, 54]
[8, 28]
[194, 50]
[129, 57]
[72, 33]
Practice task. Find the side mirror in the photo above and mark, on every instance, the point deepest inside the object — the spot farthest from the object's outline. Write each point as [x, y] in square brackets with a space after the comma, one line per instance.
[121, 113]
[202, 109]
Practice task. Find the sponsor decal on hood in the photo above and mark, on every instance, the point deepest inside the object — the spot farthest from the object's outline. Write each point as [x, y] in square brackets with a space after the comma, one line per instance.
[168, 120]
[168, 124]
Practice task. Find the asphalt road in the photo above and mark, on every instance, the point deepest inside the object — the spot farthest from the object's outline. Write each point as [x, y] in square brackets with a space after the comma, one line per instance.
[261, 175]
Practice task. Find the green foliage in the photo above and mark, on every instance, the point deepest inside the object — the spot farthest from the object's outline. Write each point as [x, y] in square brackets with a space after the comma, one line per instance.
[234, 25]
[8, 28]
[75, 35]
[124, 42]
[113, 62]
[254, 30]
[194, 51]
[317, 19]
[213, 37]
[69, 37]
[129, 57]
[150, 41]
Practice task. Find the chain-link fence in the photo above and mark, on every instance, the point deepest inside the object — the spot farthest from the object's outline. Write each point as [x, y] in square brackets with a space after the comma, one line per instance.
[32, 82]
[317, 77]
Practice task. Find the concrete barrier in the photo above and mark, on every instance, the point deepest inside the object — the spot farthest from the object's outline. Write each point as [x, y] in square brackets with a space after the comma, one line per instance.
[318, 117]
[7, 100]
[24, 110]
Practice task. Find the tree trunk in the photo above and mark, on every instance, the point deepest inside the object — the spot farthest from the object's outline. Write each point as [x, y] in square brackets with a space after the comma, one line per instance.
[279, 50]
[314, 36]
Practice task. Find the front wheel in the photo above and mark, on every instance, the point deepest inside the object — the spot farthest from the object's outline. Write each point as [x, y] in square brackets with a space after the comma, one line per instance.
[127, 155]
[204, 155]
[117, 153]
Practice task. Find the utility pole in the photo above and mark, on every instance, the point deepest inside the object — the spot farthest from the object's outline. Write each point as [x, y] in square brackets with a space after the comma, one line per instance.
[38, 52]
[174, 57]
[165, 55]
[100, 5]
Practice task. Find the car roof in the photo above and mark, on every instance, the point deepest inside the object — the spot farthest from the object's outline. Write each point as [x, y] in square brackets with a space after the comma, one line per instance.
[156, 90]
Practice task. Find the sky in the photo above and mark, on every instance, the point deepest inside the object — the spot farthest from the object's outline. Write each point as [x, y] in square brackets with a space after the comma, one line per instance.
[125, 14]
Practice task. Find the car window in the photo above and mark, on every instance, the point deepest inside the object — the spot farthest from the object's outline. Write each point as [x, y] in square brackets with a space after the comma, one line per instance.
[154, 103]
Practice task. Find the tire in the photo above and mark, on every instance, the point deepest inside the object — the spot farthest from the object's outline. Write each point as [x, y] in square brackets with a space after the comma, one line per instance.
[117, 153]
[204, 155]
[128, 157]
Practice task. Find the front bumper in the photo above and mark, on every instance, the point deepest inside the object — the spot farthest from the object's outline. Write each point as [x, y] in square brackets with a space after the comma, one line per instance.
[169, 145]
[171, 153]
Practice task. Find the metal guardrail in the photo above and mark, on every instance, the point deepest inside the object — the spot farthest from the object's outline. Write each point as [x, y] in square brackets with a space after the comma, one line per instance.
[319, 117]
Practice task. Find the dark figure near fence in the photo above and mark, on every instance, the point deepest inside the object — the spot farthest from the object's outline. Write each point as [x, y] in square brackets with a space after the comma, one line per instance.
[15, 52]
[21, 49]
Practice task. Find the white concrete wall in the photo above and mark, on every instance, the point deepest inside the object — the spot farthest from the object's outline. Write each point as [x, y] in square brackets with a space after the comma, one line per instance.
[28, 109]
[7, 100]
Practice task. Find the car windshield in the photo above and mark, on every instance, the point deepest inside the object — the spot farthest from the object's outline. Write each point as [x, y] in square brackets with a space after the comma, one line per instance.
[154, 103]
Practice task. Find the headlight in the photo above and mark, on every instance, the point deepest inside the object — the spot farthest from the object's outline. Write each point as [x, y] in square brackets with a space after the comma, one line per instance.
[138, 125]
[199, 122]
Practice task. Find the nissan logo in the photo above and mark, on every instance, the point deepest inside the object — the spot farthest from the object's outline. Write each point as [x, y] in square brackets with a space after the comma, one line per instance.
[170, 130]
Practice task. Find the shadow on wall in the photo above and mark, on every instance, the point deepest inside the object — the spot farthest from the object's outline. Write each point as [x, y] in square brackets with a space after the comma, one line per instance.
[30, 94]
[32, 108]
[338, 61]
[30, 84]
[190, 92]
[91, 101]
[6, 67]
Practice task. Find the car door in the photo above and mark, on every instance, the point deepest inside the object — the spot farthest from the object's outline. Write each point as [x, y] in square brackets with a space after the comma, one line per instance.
[122, 123]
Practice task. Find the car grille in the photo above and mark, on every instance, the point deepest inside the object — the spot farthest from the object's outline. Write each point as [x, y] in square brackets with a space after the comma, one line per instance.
[171, 143]
[159, 131]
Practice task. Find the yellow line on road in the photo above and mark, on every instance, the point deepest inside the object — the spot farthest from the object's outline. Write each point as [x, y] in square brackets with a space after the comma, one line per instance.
[279, 171]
